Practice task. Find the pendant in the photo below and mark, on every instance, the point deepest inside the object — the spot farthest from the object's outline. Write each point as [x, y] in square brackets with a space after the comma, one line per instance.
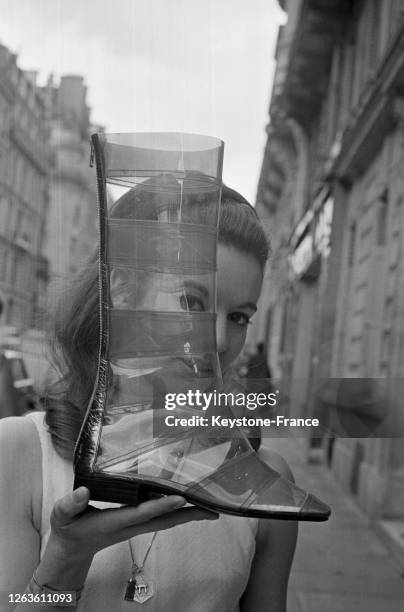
[138, 589]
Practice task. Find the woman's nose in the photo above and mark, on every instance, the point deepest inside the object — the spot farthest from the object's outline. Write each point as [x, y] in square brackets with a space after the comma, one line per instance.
[221, 334]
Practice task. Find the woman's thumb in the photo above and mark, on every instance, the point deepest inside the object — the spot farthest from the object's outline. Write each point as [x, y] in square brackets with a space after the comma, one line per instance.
[69, 506]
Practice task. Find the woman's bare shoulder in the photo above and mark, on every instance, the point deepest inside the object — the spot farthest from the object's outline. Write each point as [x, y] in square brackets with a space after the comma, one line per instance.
[17, 435]
[20, 461]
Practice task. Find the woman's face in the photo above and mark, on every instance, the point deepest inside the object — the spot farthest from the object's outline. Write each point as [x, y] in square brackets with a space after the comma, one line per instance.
[239, 281]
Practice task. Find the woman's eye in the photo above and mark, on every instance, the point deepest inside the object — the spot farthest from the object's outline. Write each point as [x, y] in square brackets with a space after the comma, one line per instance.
[191, 302]
[240, 318]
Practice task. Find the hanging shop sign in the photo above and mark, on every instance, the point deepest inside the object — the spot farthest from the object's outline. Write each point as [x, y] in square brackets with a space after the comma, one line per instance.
[311, 240]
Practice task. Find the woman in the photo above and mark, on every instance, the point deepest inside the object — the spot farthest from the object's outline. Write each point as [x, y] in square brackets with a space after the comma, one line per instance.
[199, 562]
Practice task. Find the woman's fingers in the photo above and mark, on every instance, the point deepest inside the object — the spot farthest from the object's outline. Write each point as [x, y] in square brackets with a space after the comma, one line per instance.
[77, 522]
[70, 506]
[116, 519]
[150, 509]
[153, 515]
[167, 521]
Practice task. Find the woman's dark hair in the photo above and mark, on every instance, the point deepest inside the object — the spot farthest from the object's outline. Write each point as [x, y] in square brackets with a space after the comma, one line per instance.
[75, 336]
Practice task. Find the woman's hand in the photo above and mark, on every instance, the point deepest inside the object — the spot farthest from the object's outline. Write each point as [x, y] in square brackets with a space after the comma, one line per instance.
[79, 526]
[78, 531]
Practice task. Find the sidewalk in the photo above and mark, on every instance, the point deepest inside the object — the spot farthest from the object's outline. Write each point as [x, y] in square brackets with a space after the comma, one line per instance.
[340, 565]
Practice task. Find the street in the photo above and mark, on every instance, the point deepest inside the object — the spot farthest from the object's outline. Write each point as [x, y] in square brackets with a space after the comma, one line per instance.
[340, 565]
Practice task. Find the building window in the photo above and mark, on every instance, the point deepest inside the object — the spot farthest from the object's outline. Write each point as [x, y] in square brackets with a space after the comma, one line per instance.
[13, 269]
[4, 261]
[10, 308]
[382, 223]
[18, 223]
[351, 245]
[18, 174]
[4, 213]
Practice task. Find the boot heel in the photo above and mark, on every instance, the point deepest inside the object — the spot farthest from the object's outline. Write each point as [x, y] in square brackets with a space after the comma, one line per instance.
[113, 490]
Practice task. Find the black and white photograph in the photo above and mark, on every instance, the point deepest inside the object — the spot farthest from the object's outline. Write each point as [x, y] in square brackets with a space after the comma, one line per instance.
[202, 305]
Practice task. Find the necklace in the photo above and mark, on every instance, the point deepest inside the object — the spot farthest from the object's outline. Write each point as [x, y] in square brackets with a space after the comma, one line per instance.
[139, 589]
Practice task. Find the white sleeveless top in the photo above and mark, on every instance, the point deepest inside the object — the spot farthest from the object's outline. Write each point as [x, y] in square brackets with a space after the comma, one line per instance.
[202, 566]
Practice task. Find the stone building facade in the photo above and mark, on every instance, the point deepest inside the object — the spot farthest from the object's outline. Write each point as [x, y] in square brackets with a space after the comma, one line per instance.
[24, 166]
[331, 193]
[72, 217]
[48, 203]
[48, 199]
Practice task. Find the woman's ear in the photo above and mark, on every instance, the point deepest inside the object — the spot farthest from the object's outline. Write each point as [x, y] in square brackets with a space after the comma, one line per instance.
[121, 288]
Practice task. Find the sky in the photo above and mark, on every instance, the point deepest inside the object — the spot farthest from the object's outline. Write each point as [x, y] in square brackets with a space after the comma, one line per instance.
[199, 66]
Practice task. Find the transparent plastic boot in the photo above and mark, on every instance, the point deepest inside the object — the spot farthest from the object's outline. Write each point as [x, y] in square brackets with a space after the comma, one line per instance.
[159, 201]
